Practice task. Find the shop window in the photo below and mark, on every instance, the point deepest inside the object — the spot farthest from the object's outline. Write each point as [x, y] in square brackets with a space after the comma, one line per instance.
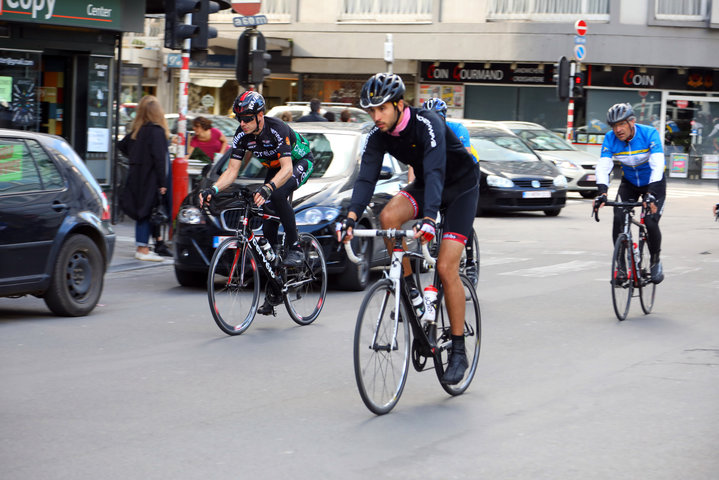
[548, 10]
[19, 90]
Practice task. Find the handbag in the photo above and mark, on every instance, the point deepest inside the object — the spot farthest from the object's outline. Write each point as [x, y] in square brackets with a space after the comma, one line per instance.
[159, 215]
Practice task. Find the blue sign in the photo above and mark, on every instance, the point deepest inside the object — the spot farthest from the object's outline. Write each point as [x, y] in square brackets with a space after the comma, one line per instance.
[252, 21]
[579, 40]
[580, 51]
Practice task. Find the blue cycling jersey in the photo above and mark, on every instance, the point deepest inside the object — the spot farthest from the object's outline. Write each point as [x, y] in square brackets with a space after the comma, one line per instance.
[642, 157]
[461, 132]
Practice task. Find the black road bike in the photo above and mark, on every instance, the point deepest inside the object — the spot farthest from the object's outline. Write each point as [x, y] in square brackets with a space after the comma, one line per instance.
[631, 261]
[383, 345]
[233, 281]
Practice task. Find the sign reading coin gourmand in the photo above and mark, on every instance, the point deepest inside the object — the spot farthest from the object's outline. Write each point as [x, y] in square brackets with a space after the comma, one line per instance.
[115, 15]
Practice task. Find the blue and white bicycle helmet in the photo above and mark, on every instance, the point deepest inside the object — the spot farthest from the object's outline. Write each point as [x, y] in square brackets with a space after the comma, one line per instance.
[436, 104]
[381, 88]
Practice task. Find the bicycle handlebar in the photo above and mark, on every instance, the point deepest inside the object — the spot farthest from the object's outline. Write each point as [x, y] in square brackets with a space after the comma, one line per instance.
[391, 233]
[595, 209]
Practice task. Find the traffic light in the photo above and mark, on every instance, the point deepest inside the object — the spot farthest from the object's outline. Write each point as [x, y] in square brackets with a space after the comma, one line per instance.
[258, 66]
[200, 19]
[176, 30]
[561, 78]
[242, 68]
[578, 88]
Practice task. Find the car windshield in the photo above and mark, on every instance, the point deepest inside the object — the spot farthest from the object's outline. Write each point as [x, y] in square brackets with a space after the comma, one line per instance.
[492, 147]
[332, 153]
[543, 140]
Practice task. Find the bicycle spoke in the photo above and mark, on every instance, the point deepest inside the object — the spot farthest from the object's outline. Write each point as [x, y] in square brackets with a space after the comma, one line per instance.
[306, 286]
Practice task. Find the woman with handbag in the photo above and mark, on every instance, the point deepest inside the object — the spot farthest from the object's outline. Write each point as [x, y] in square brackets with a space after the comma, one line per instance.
[146, 149]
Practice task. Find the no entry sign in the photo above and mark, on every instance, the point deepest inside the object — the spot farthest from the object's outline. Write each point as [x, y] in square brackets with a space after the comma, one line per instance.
[247, 7]
[580, 26]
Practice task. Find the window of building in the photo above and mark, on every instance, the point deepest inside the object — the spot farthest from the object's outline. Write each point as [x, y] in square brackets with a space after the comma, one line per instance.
[548, 10]
[689, 10]
[386, 11]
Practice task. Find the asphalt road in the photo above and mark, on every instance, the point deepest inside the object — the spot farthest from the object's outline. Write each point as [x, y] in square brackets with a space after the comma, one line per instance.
[148, 387]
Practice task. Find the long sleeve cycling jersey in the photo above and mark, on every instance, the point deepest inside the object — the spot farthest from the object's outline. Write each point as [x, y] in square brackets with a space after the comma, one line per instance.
[276, 140]
[439, 160]
[642, 158]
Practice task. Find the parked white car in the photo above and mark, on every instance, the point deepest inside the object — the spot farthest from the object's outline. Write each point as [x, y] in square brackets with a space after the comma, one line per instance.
[576, 165]
[299, 109]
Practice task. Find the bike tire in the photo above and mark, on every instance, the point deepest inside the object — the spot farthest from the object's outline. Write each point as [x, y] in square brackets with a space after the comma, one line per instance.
[472, 337]
[647, 288]
[306, 285]
[381, 368]
[622, 288]
[233, 291]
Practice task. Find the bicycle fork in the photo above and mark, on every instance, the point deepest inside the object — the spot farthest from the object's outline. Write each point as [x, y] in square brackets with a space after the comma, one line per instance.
[395, 275]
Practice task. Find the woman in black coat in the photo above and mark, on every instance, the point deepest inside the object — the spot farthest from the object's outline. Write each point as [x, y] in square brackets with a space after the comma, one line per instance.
[146, 149]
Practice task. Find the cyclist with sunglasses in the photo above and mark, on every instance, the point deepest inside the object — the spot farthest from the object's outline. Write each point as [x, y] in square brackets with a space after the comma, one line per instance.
[288, 159]
[639, 150]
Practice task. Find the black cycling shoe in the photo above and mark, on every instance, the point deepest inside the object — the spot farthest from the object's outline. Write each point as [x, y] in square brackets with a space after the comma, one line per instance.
[456, 366]
[657, 272]
[295, 257]
[271, 300]
[266, 308]
[620, 277]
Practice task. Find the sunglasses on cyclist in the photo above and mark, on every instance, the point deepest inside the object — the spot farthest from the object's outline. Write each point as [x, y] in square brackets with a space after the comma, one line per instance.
[246, 118]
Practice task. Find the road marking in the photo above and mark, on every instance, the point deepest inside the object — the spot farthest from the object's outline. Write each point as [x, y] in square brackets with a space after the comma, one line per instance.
[485, 262]
[556, 269]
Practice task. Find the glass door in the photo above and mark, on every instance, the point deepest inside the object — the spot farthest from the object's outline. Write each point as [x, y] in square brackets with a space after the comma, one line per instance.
[691, 135]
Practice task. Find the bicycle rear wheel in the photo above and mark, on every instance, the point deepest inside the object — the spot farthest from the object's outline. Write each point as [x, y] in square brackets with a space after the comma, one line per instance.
[233, 286]
[647, 288]
[472, 337]
[307, 284]
[381, 358]
[622, 283]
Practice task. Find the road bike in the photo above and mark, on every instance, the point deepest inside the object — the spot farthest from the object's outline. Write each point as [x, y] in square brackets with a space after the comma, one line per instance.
[631, 261]
[383, 345]
[233, 281]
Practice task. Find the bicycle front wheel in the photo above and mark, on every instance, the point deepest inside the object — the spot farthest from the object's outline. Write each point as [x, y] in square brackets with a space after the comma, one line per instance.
[233, 286]
[647, 288]
[381, 348]
[307, 285]
[472, 337]
[622, 282]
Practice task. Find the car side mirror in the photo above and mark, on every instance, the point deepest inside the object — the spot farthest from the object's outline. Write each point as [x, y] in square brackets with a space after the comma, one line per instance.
[385, 173]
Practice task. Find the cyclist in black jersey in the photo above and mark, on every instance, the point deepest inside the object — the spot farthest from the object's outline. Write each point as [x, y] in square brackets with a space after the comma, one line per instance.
[446, 177]
[288, 159]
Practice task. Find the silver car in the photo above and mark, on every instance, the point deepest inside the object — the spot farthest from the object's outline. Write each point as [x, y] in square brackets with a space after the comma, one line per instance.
[576, 165]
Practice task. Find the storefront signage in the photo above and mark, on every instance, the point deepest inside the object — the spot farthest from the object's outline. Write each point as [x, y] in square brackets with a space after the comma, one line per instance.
[174, 60]
[710, 166]
[497, 73]
[101, 14]
[679, 166]
[653, 78]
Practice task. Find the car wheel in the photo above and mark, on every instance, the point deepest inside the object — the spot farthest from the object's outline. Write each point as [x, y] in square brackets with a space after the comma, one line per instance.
[356, 275]
[77, 278]
[589, 193]
[190, 279]
[552, 212]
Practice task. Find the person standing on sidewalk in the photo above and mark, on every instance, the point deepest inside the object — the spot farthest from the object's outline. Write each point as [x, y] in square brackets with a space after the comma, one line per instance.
[146, 147]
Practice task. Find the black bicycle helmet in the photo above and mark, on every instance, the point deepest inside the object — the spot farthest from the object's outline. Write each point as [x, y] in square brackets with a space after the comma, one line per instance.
[618, 113]
[248, 103]
[381, 88]
[436, 104]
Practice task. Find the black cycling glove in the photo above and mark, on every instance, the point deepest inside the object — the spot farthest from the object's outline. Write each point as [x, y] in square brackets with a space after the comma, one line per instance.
[342, 228]
[427, 227]
[600, 200]
[206, 194]
[265, 191]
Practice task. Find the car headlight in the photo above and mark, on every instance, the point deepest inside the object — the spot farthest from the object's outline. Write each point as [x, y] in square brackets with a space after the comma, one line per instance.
[497, 181]
[560, 181]
[565, 164]
[190, 215]
[315, 215]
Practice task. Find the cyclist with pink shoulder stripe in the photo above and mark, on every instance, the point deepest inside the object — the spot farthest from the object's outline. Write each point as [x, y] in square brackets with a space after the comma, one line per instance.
[447, 178]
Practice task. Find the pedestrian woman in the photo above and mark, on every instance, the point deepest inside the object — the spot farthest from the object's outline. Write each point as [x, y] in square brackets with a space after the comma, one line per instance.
[207, 138]
[146, 149]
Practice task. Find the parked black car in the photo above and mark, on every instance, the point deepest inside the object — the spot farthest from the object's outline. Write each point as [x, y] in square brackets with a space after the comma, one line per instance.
[317, 204]
[55, 237]
[513, 177]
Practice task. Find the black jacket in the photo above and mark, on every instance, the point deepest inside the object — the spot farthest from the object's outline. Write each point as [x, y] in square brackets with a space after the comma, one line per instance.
[147, 155]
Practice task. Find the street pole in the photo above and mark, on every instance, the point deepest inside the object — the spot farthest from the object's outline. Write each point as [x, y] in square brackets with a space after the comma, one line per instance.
[180, 179]
[570, 105]
[388, 52]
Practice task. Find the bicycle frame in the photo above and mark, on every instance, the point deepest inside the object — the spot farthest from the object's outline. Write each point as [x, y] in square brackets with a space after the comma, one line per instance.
[629, 220]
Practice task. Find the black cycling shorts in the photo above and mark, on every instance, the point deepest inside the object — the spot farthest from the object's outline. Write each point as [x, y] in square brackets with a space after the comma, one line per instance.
[457, 210]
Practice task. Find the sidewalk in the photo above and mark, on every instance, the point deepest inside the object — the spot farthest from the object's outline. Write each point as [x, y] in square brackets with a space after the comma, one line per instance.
[124, 257]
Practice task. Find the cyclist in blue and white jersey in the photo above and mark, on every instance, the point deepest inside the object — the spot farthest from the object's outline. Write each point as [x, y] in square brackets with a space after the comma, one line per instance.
[439, 106]
[639, 150]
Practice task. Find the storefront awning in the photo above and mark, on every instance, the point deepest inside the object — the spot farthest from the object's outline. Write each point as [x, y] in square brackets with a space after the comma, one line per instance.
[208, 82]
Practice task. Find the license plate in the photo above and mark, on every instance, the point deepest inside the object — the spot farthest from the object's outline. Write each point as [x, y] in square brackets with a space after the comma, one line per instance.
[539, 194]
[217, 240]
[591, 178]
